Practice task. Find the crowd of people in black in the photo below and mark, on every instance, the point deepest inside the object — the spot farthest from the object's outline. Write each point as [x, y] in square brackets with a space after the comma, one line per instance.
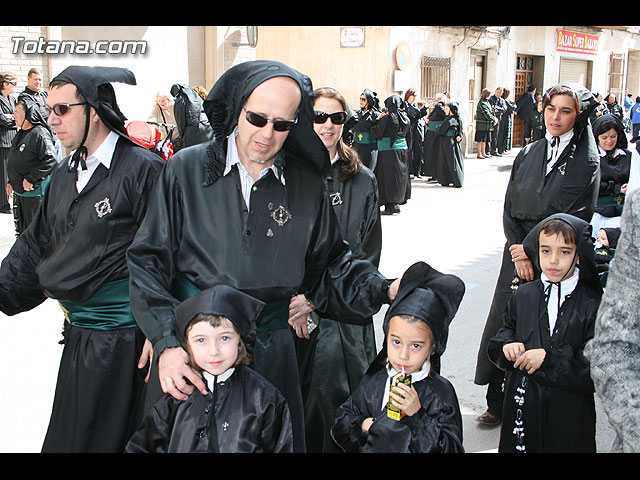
[221, 299]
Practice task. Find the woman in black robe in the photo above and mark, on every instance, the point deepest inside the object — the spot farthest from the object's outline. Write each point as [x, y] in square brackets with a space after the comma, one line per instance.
[551, 409]
[337, 355]
[430, 149]
[450, 162]
[392, 172]
[364, 142]
[416, 132]
[568, 183]
[615, 169]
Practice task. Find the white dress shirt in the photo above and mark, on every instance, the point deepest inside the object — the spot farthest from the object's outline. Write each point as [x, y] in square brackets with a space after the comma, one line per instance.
[246, 180]
[102, 155]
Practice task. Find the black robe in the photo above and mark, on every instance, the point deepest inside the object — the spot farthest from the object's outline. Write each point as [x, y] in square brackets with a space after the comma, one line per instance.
[614, 173]
[338, 354]
[392, 169]
[199, 233]
[76, 245]
[435, 428]
[449, 169]
[430, 149]
[245, 414]
[559, 406]
[532, 195]
[363, 141]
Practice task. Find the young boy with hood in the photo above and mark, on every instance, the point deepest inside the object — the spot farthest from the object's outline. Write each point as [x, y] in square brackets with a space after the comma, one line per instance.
[423, 416]
[549, 397]
[242, 412]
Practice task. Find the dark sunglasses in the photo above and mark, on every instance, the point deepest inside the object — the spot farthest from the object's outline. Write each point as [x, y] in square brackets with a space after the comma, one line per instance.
[259, 121]
[61, 109]
[337, 118]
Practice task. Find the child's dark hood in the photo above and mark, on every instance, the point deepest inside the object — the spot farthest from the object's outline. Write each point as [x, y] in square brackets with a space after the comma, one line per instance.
[585, 250]
[613, 235]
[229, 94]
[429, 295]
[239, 308]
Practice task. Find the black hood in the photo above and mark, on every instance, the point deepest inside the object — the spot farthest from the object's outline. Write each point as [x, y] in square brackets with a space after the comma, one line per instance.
[585, 248]
[239, 308]
[429, 295]
[33, 112]
[94, 83]
[229, 94]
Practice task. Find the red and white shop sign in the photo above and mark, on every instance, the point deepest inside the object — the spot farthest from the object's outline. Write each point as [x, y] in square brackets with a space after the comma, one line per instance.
[576, 42]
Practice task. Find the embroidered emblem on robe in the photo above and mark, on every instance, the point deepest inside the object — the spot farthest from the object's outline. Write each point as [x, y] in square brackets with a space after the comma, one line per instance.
[103, 207]
[336, 198]
[281, 215]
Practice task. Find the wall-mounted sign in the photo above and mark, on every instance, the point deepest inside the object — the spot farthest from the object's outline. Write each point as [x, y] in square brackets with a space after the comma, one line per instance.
[575, 42]
[351, 37]
[403, 55]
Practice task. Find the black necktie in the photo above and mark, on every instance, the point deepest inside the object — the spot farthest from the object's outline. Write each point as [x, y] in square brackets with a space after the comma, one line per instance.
[554, 146]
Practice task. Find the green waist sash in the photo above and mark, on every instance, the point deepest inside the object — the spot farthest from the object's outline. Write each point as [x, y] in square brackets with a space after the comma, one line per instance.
[433, 125]
[38, 189]
[611, 200]
[399, 144]
[107, 309]
[364, 137]
[274, 317]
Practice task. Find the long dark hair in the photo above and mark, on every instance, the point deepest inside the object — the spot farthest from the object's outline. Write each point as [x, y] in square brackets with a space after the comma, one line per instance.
[351, 162]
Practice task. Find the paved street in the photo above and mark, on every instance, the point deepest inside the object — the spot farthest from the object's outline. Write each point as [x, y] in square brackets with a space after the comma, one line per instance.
[455, 230]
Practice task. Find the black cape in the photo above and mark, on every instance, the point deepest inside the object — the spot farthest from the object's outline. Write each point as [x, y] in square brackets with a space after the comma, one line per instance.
[435, 428]
[199, 230]
[449, 169]
[555, 405]
[531, 196]
[245, 414]
[338, 354]
[392, 169]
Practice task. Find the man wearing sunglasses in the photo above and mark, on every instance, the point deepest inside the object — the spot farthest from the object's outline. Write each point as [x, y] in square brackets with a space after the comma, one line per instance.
[74, 251]
[249, 209]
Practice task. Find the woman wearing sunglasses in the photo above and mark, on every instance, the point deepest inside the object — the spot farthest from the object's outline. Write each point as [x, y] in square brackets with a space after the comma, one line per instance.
[338, 354]
[392, 171]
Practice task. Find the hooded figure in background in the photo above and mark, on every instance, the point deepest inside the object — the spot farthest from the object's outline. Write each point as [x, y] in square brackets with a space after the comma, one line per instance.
[31, 160]
[271, 236]
[449, 164]
[616, 160]
[363, 141]
[559, 174]
[96, 197]
[193, 124]
[551, 409]
[428, 296]
[392, 170]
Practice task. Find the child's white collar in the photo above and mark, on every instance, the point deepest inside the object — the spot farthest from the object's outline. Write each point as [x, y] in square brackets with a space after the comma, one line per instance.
[220, 378]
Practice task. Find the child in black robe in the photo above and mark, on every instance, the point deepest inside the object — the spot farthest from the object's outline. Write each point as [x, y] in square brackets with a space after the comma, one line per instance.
[549, 395]
[241, 412]
[423, 417]
[605, 248]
